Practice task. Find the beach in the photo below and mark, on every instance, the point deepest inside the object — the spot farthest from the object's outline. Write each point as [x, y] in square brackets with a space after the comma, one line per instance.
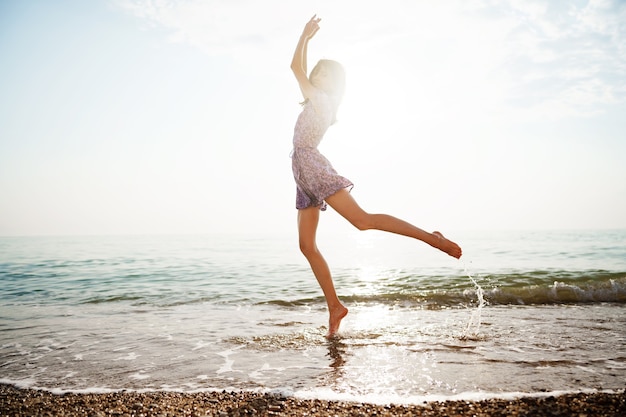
[28, 402]
[119, 324]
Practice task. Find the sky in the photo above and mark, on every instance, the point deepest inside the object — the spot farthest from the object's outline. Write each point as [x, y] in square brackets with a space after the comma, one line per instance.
[176, 117]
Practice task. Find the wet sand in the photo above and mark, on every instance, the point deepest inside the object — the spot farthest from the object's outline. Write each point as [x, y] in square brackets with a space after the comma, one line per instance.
[27, 402]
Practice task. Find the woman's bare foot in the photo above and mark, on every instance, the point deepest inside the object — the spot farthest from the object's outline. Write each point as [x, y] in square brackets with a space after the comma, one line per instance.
[447, 246]
[336, 315]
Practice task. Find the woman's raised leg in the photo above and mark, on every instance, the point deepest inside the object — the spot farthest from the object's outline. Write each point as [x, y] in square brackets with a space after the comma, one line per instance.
[343, 202]
[307, 229]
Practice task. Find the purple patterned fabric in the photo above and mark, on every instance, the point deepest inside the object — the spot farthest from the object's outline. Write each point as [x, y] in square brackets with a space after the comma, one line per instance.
[315, 177]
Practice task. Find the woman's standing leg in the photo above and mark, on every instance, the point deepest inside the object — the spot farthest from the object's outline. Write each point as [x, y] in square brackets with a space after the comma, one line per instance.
[308, 220]
[344, 204]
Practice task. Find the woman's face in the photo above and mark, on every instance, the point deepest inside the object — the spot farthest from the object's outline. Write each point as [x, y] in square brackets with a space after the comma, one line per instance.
[321, 78]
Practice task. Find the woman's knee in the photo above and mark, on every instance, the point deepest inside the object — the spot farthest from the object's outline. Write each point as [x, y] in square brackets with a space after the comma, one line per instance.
[363, 221]
[307, 247]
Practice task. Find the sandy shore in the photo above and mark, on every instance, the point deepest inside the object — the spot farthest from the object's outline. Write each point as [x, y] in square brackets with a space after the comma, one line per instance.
[22, 402]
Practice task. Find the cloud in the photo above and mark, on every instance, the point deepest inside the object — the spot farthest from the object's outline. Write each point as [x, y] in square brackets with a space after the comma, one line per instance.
[216, 27]
[546, 59]
[565, 62]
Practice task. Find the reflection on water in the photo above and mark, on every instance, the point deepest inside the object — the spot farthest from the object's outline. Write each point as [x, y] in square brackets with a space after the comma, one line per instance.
[336, 351]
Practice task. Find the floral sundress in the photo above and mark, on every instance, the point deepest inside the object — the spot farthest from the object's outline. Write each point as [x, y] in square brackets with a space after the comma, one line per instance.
[316, 179]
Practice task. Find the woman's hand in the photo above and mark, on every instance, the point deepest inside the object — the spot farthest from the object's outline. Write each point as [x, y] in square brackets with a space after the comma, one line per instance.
[311, 27]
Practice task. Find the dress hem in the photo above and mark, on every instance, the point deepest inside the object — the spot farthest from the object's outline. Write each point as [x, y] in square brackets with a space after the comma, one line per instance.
[323, 205]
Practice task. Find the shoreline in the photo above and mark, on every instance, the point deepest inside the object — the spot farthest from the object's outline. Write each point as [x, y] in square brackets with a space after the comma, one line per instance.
[26, 402]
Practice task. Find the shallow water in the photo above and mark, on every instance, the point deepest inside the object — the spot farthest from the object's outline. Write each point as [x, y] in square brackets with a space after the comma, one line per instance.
[214, 313]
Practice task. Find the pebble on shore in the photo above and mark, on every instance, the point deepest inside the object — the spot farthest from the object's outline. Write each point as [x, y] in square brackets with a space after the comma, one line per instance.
[28, 402]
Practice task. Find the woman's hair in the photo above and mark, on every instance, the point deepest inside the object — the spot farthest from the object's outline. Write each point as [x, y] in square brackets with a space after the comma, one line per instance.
[337, 75]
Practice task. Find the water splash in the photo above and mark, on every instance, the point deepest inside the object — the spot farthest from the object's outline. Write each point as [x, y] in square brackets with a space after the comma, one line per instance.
[472, 331]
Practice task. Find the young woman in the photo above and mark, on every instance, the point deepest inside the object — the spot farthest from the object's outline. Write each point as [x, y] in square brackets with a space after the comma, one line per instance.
[317, 182]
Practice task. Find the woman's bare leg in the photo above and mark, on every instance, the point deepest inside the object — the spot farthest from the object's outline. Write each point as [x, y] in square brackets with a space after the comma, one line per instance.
[343, 202]
[307, 228]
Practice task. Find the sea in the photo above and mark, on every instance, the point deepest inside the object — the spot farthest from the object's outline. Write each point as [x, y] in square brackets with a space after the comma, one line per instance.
[521, 313]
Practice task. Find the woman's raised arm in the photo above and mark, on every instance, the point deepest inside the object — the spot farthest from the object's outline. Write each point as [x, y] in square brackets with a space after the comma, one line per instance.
[299, 61]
